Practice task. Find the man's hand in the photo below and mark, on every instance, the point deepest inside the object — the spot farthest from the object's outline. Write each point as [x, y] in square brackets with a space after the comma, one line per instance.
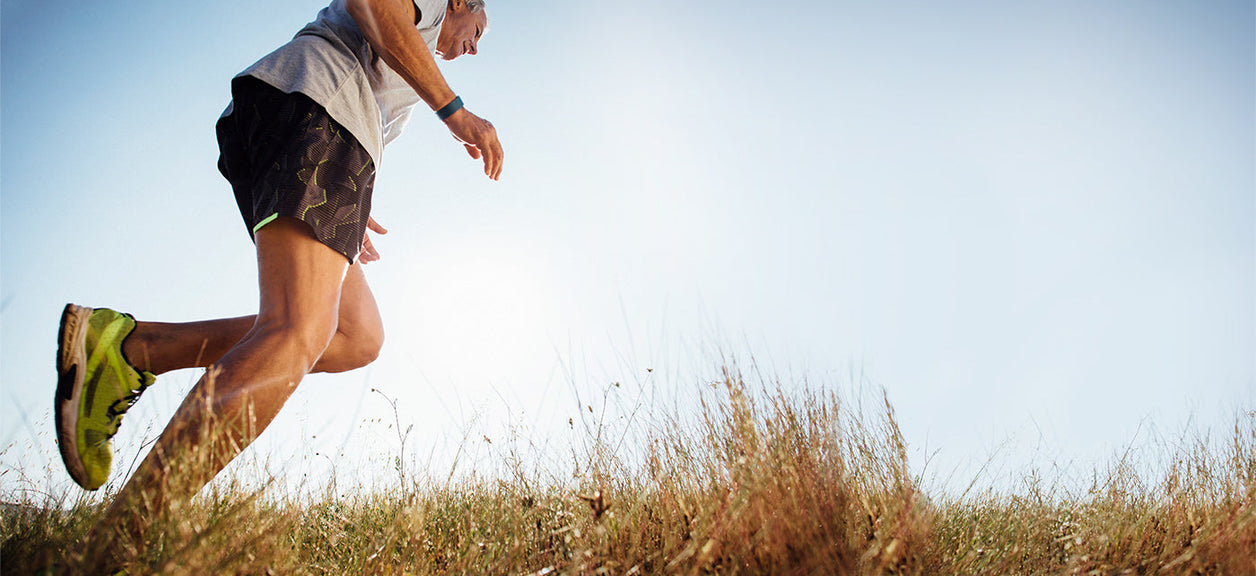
[369, 253]
[480, 139]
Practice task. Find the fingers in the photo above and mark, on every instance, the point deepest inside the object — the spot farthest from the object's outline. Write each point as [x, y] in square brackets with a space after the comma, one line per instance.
[480, 139]
[375, 226]
[491, 149]
[493, 158]
[368, 253]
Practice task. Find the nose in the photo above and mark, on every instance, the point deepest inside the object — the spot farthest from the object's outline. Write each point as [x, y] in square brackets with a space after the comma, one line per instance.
[473, 50]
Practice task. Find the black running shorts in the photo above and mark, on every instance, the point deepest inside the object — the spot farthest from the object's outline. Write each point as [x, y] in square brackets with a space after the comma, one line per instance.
[285, 156]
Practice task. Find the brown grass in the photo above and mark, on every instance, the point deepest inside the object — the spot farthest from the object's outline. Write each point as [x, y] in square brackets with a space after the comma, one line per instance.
[759, 481]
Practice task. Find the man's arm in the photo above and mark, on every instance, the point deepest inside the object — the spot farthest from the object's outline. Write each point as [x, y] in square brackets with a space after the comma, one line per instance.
[389, 28]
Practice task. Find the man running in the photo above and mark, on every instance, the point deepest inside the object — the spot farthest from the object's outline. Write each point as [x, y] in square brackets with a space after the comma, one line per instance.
[299, 144]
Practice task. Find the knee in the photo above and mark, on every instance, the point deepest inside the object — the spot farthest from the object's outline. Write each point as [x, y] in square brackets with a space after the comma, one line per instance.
[365, 347]
[303, 343]
[352, 349]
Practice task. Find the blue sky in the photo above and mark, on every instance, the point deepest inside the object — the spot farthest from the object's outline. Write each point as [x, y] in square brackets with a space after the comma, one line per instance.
[1033, 225]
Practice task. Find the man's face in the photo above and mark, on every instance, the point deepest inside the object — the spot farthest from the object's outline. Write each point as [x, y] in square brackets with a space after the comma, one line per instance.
[461, 31]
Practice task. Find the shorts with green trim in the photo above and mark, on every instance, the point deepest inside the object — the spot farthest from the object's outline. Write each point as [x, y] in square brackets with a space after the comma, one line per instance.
[285, 156]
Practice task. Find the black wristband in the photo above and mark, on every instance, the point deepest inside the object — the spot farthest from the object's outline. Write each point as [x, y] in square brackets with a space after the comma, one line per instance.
[449, 109]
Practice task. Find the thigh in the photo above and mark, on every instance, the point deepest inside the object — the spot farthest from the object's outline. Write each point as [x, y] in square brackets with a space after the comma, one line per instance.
[359, 313]
[299, 279]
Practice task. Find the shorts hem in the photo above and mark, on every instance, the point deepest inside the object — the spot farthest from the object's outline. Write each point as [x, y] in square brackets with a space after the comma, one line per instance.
[264, 222]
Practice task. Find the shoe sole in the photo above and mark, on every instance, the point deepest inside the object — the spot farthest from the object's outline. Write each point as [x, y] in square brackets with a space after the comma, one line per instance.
[71, 358]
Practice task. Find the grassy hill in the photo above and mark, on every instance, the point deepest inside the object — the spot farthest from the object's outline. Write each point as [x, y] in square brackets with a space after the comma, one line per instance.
[760, 481]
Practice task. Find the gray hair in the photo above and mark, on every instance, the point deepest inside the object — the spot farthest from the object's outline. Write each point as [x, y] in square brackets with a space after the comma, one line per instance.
[475, 6]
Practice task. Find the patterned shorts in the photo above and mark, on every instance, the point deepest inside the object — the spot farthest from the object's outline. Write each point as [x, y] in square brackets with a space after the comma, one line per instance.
[285, 156]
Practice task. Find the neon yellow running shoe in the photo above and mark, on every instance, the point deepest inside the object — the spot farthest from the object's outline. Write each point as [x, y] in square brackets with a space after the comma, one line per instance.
[96, 385]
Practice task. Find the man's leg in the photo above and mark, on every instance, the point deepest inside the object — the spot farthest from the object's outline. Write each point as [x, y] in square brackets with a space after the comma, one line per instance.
[300, 283]
[160, 347]
[360, 329]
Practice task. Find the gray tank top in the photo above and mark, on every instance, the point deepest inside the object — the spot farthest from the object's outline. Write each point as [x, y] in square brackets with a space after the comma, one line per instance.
[330, 61]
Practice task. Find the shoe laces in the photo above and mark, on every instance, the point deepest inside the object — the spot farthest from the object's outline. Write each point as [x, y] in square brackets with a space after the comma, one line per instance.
[121, 405]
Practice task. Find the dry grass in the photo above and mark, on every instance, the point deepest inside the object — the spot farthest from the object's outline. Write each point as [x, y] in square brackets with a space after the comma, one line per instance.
[759, 481]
